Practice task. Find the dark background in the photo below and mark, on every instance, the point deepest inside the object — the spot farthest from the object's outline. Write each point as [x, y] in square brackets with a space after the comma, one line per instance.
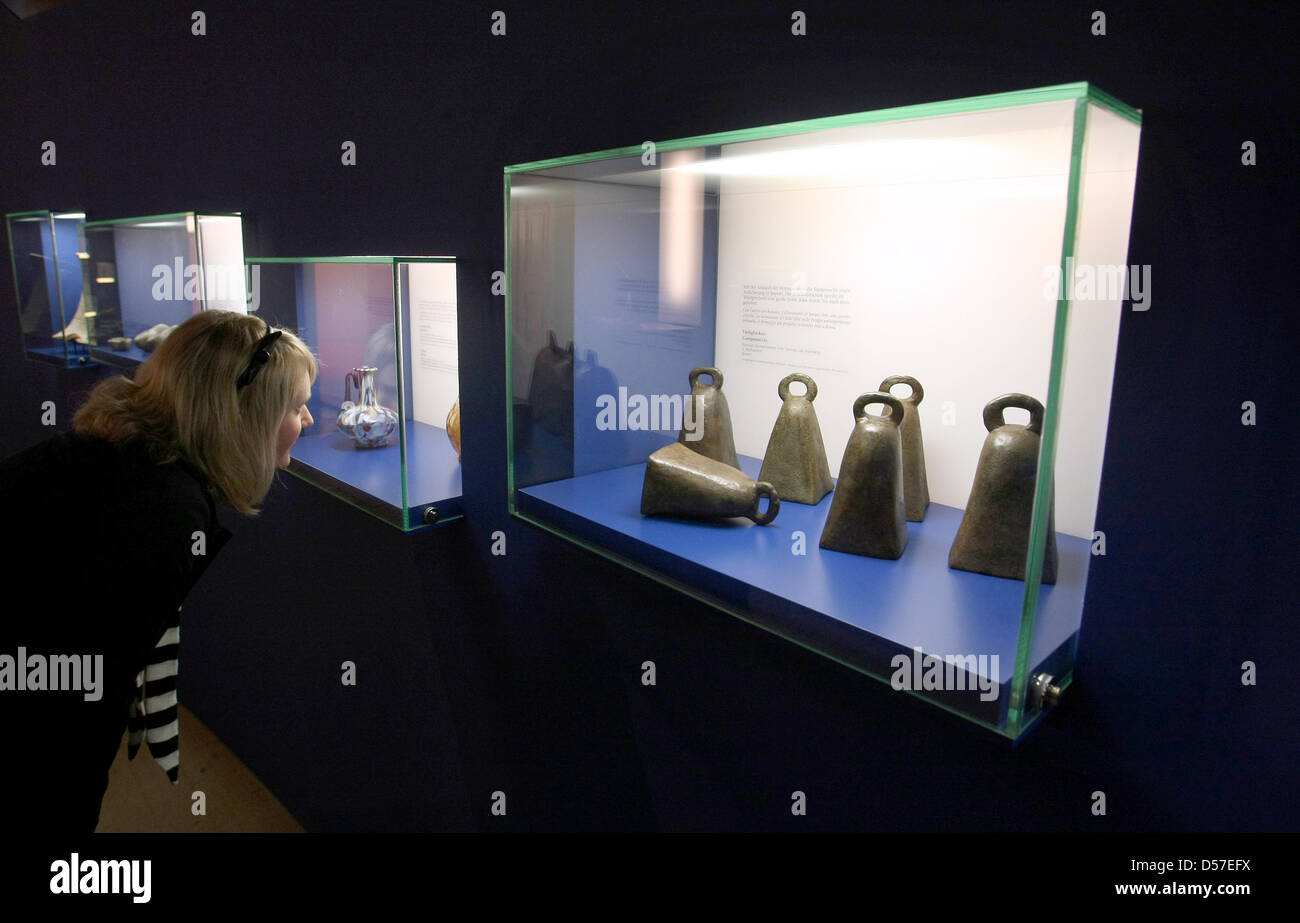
[521, 673]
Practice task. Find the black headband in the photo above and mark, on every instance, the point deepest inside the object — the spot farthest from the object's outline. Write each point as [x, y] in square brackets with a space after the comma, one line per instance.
[261, 356]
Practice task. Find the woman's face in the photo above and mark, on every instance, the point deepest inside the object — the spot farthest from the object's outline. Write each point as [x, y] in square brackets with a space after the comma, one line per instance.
[295, 421]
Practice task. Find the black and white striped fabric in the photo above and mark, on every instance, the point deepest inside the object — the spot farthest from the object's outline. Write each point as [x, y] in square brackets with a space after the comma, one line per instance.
[154, 718]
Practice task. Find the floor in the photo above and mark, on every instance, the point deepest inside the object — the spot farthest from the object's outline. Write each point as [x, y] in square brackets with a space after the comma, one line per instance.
[140, 799]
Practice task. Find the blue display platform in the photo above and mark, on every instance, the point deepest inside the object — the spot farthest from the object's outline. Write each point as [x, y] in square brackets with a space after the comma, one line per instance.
[125, 359]
[372, 478]
[55, 355]
[858, 610]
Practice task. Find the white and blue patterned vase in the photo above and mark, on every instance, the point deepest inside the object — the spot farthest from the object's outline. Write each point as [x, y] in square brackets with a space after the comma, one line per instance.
[366, 422]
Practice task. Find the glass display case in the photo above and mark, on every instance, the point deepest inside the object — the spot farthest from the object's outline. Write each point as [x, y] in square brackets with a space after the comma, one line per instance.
[143, 276]
[46, 251]
[664, 301]
[386, 400]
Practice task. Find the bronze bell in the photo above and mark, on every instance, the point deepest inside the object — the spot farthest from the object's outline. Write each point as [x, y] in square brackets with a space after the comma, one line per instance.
[681, 482]
[551, 390]
[795, 460]
[994, 534]
[712, 436]
[916, 491]
[867, 514]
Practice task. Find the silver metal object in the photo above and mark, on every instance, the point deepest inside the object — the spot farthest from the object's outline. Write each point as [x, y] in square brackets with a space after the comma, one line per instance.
[1044, 693]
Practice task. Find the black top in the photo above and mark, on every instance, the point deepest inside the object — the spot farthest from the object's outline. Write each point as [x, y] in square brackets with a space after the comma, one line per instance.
[106, 551]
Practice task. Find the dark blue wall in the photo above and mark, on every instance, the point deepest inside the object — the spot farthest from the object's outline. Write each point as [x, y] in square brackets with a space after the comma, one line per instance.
[521, 673]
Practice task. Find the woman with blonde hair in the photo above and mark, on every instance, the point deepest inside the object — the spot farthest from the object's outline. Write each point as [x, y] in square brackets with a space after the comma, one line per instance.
[119, 520]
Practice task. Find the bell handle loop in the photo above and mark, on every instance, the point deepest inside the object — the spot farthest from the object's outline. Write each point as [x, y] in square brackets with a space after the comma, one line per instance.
[783, 389]
[995, 411]
[918, 393]
[878, 397]
[764, 489]
[707, 370]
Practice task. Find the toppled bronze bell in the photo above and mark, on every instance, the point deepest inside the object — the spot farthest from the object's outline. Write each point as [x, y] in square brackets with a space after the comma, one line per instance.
[867, 515]
[711, 417]
[916, 491]
[994, 534]
[681, 482]
[795, 460]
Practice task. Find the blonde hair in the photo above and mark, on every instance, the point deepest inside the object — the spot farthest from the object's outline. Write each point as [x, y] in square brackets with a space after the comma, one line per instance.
[183, 403]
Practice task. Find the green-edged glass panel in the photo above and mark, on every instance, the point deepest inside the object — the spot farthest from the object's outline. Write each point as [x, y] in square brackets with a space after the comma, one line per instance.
[924, 241]
[45, 252]
[385, 326]
[143, 276]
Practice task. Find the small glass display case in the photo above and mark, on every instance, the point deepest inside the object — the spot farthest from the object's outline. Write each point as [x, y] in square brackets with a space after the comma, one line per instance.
[917, 307]
[143, 276]
[46, 251]
[386, 400]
